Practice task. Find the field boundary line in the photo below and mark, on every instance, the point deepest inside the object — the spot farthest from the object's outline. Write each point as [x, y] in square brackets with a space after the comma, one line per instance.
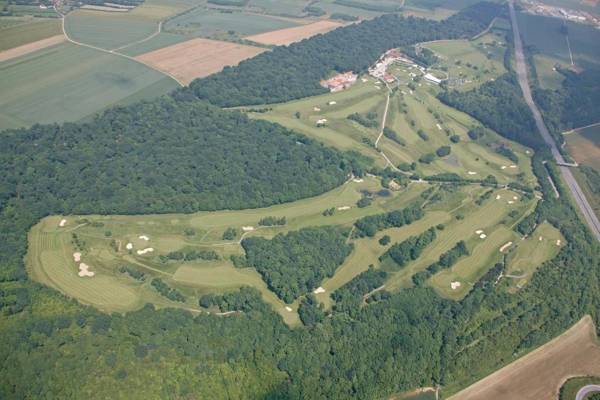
[156, 33]
[113, 52]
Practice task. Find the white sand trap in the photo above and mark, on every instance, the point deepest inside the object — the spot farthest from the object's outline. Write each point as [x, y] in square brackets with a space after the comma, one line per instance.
[288, 309]
[77, 257]
[454, 285]
[144, 251]
[319, 290]
[503, 167]
[472, 173]
[316, 109]
[482, 236]
[515, 198]
[498, 197]
[84, 270]
[527, 152]
[479, 231]
[144, 237]
[332, 103]
[129, 246]
[505, 246]
[558, 242]
[511, 202]
[364, 80]
[513, 166]
[541, 238]
[247, 228]
[439, 127]
[357, 180]
[62, 222]
[343, 208]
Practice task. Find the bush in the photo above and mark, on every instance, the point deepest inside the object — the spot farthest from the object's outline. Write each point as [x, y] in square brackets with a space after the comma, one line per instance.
[443, 151]
[385, 240]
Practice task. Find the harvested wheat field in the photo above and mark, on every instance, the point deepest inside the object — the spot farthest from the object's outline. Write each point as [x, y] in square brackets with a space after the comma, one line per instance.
[540, 374]
[197, 58]
[295, 34]
[31, 47]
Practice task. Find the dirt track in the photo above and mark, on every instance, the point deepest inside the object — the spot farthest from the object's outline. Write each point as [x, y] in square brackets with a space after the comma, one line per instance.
[31, 47]
[540, 374]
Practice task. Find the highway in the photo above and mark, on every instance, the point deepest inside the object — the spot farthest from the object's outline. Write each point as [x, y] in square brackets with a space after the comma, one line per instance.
[521, 66]
[587, 389]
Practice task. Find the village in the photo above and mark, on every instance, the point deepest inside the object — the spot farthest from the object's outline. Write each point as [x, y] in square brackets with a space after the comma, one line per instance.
[535, 7]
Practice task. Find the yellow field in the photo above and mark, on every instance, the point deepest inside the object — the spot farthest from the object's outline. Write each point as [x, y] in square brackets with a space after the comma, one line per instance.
[541, 373]
[295, 34]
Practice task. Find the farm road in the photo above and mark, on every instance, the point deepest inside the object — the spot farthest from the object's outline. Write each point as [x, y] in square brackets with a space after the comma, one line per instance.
[521, 66]
[587, 389]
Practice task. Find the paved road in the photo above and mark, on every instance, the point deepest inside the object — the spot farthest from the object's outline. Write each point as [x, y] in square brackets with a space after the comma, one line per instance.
[587, 389]
[576, 191]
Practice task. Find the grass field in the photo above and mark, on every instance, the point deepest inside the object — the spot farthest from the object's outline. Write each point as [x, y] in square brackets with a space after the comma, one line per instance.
[28, 30]
[31, 47]
[584, 145]
[44, 90]
[421, 107]
[293, 8]
[198, 57]
[295, 34]
[548, 76]
[208, 22]
[527, 255]
[540, 374]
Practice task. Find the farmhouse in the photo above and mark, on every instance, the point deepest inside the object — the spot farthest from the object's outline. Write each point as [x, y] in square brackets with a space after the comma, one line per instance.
[340, 81]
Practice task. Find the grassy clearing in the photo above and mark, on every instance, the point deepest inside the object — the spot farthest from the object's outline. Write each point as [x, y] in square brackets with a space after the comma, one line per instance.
[547, 74]
[208, 22]
[529, 254]
[540, 374]
[28, 30]
[584, 145]
[69, 82]
[569, 390]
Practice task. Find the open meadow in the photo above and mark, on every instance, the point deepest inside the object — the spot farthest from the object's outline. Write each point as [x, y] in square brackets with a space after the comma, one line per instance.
[43, 90]
[584, 145]
[541, 373]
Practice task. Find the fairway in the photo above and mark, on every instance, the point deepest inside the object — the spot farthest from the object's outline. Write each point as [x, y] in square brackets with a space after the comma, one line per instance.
[541, 373]
[198, 57]
[584, 145]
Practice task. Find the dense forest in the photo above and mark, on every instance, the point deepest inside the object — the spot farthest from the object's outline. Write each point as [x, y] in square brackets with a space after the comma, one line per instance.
[295, 263]
[294, 71]
[53, 347]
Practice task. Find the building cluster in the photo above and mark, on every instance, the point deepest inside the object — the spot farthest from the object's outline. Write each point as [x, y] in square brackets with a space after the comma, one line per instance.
[379, 69]
[538, 8]
[340, 81]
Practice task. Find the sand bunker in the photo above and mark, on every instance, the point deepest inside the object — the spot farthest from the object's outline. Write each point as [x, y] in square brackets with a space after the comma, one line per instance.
[513, 166]
[144, 237]
[479, 231]
[511, 202]
[439, 127]
[364, 80]
[343, 208]
[515, 197]
[541, 238]
[316, 109]
[454, 285]
[505, 246]
[503, 167]
[84, 270]
[472, 173]
[146, 250]
[247, 228]
[558, 242]
[357, 180]
[332, 103]
[319, 290]
[288, 309]
[62, 222]
[77, 257]
[129, 246]
[482, 236]
[498, 197]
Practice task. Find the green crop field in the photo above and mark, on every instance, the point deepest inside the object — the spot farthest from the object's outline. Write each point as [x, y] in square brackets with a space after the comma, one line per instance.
[293, 8]
[43, 90]
[26, 30]
[213, 22]
[468, 159]
[527, 255]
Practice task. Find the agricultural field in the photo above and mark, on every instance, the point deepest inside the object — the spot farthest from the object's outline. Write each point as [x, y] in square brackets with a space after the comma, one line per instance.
[207, 22]
[31, 47]
[295, 34]
[291, 8]
[546, 35]
[541, 373]
[198, 57]
[331, 7]
[584, 145]
[25, 30]
[410, 111]
[43, 90]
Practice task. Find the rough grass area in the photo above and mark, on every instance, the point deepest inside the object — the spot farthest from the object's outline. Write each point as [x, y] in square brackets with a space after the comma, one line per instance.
[584, 145]
[69, 82]
[27, 31]
[569, 390]
[540, 374]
